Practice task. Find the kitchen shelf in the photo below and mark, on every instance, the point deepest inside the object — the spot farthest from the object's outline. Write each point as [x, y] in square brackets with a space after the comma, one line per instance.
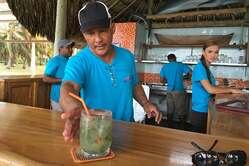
[241, 47]
[229, 64]
[193, 63]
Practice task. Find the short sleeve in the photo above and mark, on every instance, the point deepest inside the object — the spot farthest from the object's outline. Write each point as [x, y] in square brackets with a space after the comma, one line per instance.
[199, 73]
[51, 68]
[162, 72]
[76, 70]
[186, 69]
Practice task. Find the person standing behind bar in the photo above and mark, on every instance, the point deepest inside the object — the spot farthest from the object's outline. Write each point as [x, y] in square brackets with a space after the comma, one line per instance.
[54, 71]
[203, 87]
[105, 73]
[173, 74]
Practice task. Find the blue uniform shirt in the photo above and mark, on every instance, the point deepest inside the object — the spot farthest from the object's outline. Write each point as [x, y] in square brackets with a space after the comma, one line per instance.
[173, 72]
[105, 86]
[200, 97]
[55, 68]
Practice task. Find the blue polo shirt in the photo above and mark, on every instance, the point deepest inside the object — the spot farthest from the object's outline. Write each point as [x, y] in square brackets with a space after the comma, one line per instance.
[173, 72]
[105, 86]
[55, 68]
[200, 97]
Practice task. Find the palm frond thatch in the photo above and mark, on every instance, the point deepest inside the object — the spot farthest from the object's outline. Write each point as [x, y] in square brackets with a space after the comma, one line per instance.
[39, 16]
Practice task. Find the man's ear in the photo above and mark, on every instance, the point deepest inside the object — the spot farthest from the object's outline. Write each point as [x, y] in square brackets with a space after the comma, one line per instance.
[113, 28]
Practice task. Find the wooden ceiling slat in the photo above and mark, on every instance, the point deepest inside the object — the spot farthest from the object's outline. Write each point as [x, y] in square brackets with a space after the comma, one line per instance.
[227, 23]
[194, 13]
[113, 4]
[122, 11]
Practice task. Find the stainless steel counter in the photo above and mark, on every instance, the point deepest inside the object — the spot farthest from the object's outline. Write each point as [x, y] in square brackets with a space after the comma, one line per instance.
[158, 96]
[161, 89]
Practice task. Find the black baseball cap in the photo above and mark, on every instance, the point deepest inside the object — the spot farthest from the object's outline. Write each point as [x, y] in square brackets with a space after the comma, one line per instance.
[94, 15]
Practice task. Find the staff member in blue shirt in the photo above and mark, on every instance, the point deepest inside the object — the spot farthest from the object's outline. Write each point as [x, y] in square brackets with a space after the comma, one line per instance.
[173, 73]
[105, 73]
[54, 71]
[204, 88]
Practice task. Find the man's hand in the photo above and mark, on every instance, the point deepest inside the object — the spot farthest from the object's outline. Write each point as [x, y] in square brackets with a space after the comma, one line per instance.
[72, 124]
[72, 109]
[152, 111]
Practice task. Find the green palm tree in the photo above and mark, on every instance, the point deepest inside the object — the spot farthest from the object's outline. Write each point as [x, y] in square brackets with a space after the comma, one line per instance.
[21, 52]
[14, 33]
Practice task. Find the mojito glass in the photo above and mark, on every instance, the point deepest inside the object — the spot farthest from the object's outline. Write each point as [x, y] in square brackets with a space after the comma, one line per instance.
[95, 133]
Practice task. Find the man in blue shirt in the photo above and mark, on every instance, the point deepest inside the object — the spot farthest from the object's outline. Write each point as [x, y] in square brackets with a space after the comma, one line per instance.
[173, 73]
[54, 71]
[103, 73]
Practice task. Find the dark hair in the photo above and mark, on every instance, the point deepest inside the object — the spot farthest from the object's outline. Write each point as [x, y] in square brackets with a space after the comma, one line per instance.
[171, 57]
[203, 61]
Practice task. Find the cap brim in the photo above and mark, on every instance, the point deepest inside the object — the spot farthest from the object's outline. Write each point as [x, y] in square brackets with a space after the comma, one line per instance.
[70, 44]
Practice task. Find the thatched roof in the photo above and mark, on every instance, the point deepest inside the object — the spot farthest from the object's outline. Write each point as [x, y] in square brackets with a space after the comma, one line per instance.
[38, 16]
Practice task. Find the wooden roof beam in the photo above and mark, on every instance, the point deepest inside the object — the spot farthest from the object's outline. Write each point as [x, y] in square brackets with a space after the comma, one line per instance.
[150, 7]
[114, 4]
[197, 13]
[247, 13]
[122, 11]
[228, 23]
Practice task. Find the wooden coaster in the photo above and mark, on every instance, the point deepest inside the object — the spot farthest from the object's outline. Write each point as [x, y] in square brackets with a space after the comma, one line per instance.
[82, 159]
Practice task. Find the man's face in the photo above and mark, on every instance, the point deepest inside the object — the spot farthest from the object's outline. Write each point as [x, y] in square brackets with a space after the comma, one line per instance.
[66, 51]
[99, 40]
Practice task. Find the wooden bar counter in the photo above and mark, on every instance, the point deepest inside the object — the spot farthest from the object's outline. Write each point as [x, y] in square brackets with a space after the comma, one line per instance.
[32, 136]
[230, 123]
[26, 90]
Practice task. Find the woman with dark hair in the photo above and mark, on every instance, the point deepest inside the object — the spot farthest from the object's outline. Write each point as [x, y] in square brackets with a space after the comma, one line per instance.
[204, 89]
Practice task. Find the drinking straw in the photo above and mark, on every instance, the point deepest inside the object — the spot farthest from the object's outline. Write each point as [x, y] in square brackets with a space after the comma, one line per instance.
[82, 102]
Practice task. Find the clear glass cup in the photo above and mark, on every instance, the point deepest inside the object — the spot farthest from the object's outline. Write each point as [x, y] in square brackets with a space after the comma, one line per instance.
[95, 134]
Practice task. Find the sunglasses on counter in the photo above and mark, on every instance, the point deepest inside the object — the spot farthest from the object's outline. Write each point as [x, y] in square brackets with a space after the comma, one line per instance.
[212, 158]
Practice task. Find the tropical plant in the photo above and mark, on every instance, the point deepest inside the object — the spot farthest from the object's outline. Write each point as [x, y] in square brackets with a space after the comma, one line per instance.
[20, 52]
[15, 33]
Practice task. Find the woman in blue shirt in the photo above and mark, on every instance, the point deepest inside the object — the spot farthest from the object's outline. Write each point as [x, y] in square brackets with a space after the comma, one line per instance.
[204, 88]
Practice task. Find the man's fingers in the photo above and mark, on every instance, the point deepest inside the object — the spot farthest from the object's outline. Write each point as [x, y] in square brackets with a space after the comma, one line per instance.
[70, 115]
[71, 127]
[149, 115]
[76, 126]
[159, 117]
[67, 133]
[156, 115]
[66, 115]
[66, 137]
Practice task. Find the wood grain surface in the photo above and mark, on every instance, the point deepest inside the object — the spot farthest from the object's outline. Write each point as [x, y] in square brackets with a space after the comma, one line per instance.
[230, 123]
[32, 136]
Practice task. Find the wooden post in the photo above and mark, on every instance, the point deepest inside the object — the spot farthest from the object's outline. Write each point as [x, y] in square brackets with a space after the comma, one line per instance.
[61, 22]
[209, 122]
[247, 21]
[247, 51]
[150, 7]
[33, 65]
